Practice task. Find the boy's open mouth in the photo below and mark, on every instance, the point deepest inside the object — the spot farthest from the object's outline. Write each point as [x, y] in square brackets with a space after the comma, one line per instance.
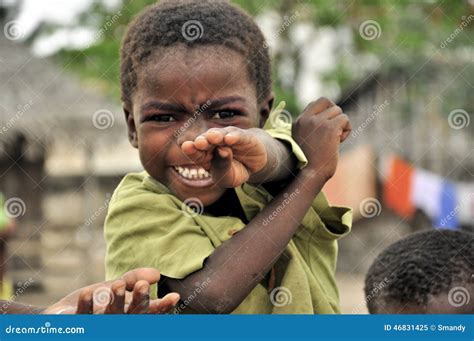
[193, 175]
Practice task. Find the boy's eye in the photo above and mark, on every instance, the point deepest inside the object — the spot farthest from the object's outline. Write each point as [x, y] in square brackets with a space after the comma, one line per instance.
[224, 114]
[161, 118]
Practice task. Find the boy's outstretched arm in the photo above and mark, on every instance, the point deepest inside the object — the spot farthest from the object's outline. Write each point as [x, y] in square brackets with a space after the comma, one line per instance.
[240, 263]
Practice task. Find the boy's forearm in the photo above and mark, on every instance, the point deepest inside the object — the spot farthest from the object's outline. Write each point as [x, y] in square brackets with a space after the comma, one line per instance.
[10, 307]
[238, 265]
[281, 162]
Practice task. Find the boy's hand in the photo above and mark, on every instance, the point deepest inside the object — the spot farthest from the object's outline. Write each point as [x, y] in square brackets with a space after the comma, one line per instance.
[318, 131]
[128, 295]
[232, 154]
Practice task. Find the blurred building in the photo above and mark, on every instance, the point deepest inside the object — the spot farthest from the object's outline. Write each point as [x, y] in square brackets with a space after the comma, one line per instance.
[63, 149]
[407, 112]
[420, 113]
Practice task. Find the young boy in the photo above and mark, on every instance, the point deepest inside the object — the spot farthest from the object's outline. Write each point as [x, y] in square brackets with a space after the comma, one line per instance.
[197, 97]
[425, 273]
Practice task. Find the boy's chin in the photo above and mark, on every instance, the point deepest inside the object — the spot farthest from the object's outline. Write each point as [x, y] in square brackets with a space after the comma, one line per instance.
[198, 197]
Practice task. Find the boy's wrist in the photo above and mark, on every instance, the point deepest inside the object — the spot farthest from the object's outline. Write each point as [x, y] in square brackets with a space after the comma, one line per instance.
[279, 159]
[311, 180]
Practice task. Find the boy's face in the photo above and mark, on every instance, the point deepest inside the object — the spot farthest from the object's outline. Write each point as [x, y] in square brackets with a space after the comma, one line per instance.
[181, 93]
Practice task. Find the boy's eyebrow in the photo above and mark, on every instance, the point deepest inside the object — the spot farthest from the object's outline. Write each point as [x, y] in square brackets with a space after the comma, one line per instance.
[213, 103]
[162, 106]
[218, 102]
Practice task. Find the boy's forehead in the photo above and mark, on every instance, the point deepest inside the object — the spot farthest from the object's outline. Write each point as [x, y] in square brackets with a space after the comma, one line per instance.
[202, 71]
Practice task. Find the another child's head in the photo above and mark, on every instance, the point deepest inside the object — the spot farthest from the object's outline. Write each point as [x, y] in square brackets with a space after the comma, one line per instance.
[187, 66]
[425, 273]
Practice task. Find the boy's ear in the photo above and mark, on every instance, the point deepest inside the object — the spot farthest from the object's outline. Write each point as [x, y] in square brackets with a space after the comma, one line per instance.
[266, 108]
[131, 129]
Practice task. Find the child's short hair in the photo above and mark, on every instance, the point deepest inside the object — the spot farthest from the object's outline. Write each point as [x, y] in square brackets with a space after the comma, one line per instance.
[215, 23]
[421, 266]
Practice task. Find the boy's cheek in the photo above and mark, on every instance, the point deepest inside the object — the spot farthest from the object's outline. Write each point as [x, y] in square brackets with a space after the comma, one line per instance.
[149, 156]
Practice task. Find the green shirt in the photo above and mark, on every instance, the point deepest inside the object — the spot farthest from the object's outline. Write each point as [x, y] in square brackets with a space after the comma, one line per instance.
[146, 227]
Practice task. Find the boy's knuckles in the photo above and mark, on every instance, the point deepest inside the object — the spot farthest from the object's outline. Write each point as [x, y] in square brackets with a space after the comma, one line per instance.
[342, 120]
[318, 105]
[336, 110]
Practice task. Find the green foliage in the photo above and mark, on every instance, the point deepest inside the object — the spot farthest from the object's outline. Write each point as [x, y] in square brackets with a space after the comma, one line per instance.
[99, 64]
[408, 30]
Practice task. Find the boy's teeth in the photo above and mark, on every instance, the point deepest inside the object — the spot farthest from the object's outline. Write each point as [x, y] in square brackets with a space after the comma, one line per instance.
[202, 173]
[192, 173]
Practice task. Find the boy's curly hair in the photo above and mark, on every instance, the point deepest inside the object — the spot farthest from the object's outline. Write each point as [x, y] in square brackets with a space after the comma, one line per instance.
[194, 23]
[418, 267]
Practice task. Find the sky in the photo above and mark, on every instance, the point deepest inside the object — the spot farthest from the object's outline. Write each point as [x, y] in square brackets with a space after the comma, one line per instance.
[62, 13]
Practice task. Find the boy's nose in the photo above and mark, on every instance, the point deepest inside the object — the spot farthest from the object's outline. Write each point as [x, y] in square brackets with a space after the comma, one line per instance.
[190, 130]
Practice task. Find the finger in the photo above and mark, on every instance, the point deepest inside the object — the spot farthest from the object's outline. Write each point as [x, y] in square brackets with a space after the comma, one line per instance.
[318, 106]
[237, 136]
[188, 148]
[215, 136]
[341, 122]
[164, 305]
[221, 163]
[141, 298]
[150, 275]
[346, 131]
[116, 305]
[332, 112]
[84, 302]
[201, 143]
[225, 152]
[194, 155]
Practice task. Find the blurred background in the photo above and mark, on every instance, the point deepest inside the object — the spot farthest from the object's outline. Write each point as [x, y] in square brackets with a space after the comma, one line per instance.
[402, 70]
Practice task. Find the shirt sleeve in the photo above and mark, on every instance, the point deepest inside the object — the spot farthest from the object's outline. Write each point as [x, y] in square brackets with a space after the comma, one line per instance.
[146, 229]
[335, 221]
[278, 125]
[317, 237]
